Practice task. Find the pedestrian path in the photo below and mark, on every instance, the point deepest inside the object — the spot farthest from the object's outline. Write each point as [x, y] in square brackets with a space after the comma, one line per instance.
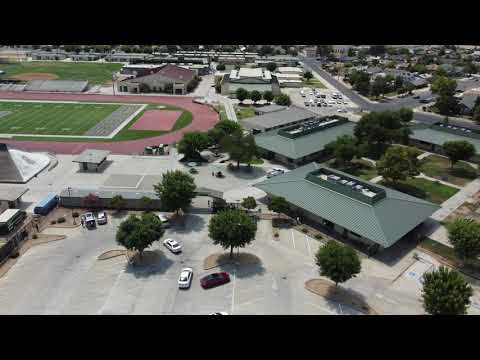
[423, 176]
[457, 200]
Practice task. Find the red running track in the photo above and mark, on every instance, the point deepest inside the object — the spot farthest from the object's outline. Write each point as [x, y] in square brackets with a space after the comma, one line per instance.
[204, 118]
[157, 120]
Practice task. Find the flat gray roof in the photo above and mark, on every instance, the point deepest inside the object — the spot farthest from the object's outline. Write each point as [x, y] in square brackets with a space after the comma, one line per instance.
[270, 108]
[12, 193]
[92, 156]
[278, 118]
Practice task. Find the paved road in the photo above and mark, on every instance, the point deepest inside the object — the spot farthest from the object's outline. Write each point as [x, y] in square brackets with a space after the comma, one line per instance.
[391, 104]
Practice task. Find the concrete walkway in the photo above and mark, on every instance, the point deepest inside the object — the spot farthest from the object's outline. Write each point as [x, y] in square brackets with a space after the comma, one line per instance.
[423, 176]
[457, 200]
[229, 108]
[376, 179]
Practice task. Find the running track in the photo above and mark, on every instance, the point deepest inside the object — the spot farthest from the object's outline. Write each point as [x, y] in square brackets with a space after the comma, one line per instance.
[204, 118]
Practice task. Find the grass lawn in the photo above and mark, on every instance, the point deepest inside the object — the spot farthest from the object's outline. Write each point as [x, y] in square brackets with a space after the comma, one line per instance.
[257, 161]
[359, 167]
[439, 168]
[125, 134]
[96, 73]
[313, 83]
[51, 118]
[221, 111]
[244, 111]
[424, 189]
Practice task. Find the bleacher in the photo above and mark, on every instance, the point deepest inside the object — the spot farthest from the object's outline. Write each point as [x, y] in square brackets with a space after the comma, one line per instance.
[56, 85]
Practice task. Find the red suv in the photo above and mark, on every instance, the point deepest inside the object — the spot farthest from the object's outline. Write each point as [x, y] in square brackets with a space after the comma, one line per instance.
[215, 279]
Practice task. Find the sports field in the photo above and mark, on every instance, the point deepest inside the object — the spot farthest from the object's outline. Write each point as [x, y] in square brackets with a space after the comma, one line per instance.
[95, 73]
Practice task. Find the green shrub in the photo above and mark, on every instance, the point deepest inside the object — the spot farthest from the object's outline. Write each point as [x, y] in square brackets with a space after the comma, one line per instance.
[34, 236]
[464, 172]
[75, 214]
[304, 230]
[53, 222]
[61, 220]
[318, 237]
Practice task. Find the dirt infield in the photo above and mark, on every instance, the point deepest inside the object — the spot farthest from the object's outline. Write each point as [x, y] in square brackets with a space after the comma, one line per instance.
[34, 76]
[157, 120]
[204, 118]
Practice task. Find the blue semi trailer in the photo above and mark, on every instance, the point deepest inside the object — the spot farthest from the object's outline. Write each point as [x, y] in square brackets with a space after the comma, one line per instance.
[46, 205]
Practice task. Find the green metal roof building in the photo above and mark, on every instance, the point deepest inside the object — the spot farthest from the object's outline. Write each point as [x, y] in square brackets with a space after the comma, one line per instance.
[304, 142]
[360, 210]
[432, 137]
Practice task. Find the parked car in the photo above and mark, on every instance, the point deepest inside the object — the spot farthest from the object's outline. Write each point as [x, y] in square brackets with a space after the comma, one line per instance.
[102, 218]
[88, 220]
[275, 171]
[185, 278]
[416, 97]
[172, 245]
[164, 220]
[215, 279]
[219, 313]
[307, 103]
[341, 110]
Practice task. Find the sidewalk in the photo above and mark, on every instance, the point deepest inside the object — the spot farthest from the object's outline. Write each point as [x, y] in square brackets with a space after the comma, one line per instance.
[455, 201]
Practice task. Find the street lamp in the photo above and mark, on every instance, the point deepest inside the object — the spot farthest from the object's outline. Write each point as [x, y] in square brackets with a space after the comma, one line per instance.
[70, 196]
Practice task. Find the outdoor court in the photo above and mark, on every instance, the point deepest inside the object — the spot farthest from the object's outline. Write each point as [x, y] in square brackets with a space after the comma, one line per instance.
[204, 118]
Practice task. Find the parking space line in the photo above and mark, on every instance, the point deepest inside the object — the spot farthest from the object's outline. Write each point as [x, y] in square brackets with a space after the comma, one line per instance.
[340, 307]
[308, 246]
[293, 238]
[322, 308]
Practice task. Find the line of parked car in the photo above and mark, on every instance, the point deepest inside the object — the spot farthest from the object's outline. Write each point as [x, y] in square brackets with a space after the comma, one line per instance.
[318, 99]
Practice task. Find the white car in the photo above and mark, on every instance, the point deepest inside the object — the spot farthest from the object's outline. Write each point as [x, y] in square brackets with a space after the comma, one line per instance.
[219, 313]
[341, 110]
[185, 278]
[102, 218]
[172, 245]
[164, 220]
[275, 171]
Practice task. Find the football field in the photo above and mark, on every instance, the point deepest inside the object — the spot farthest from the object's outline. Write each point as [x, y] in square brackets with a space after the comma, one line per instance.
[43, 118]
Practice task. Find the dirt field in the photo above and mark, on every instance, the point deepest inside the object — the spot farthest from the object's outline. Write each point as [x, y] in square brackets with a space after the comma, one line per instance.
[35, 76]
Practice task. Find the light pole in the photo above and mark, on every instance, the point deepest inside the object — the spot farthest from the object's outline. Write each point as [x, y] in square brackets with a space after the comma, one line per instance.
[70, 196]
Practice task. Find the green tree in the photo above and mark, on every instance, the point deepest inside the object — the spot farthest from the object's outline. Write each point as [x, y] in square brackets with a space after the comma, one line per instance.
[337, 262]
[445, 292]
[255, 95]
[117, 202]
[241, 147]
[249, 203]
[283, 100]
[147, 203]
[138, 233]
[324, 50]
[241, 94]
[192, 144]
[278, 204]
[222, 129]
[447, 105]
[268, 96]
[464, 234]
[379, 86]
[344, 148]
[398, 82]
[476, 114]
[398, 163]
[221, 67]
[458, 150]
[376, 50]
[176, 190]
[442, 85]
[271, 66]
[405, 115]
[232, 228]
[308, 76]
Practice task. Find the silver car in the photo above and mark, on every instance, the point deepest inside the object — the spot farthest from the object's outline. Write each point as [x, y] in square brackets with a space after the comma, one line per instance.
[172, 245]
[102, 218]
[185, 278]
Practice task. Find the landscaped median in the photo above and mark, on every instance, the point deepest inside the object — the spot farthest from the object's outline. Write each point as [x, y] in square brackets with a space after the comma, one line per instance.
[338, 294]
[220, 259]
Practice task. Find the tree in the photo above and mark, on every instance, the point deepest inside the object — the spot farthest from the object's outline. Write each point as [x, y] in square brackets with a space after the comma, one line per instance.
[221, 67]
[476, 114]
[176, 190]
[255, 95]
[192, 144]
[344, 148]
[308, 76]
[232, 228]
[379, 86]
[240, 147]
[271, 66]
[91, 201]
[222, 129]
[324, 50]
[447, 105]
[442, 85]
[464, 234]
[138, 233]
[241, 94]
[445, 292]
[283, 100]
[405, 115]
[265, 50]
[168, 88]
[398, 163]
[249, 203]
[376, 50]
[278, 204]
[337, 262]
[268, 96]
[398, 83]
[458, 150]
[117, 202]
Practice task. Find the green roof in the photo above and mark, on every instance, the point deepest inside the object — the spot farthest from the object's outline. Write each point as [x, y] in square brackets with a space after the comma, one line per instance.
[295, 148]
[438, 137]
[383, 221]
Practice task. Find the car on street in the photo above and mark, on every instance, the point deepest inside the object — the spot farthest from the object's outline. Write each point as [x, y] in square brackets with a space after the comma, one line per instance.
[219, 313]
[88, 220]
[215, 279]
[185, 278]
[102, 218]
[341, 110]
[172, 245]
[164, 220]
